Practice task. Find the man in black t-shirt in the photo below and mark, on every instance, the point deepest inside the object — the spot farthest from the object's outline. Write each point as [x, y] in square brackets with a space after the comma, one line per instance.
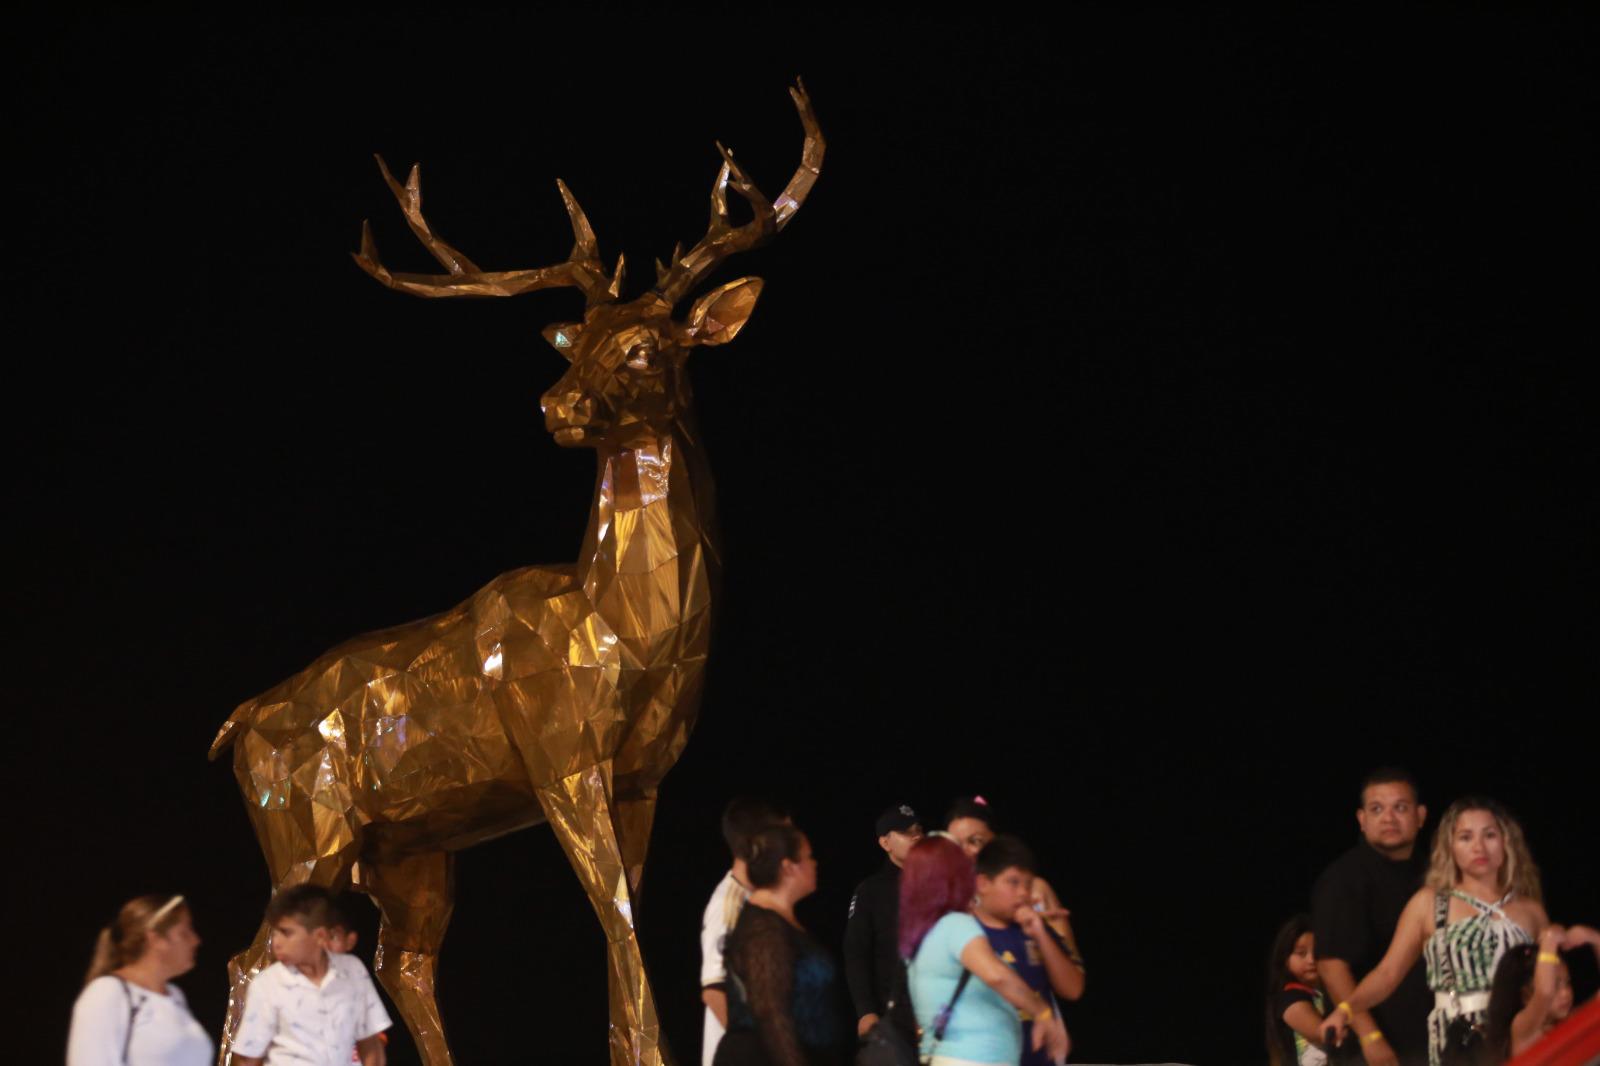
[1354, 909]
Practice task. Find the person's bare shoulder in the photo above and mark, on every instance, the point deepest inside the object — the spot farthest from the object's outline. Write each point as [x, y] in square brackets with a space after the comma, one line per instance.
[1418, 915]
[1530, 914]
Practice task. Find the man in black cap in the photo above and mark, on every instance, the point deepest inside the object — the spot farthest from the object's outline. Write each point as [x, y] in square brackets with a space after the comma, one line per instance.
[872, 965]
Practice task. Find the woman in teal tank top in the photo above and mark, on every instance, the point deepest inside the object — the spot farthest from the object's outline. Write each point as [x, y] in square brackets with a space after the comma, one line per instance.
[963, 1021]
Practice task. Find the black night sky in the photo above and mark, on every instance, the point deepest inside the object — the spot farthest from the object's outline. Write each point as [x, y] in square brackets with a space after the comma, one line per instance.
[1150, 423]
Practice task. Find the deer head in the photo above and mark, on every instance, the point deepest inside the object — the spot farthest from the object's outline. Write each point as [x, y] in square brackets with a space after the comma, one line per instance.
[626, 378]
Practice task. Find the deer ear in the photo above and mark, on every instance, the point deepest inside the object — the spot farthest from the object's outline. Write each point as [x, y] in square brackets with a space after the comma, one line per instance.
[562, 336]
[719, 315]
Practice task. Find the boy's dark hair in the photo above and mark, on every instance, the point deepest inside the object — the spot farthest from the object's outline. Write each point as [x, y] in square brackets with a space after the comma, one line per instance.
[311, 905]
[742, 818]
[970, 807]
[769, 846]
[1002, 853]
[1387, 775]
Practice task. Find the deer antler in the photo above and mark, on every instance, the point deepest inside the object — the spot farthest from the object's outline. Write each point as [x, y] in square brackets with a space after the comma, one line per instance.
[723, 239]
[583, 270]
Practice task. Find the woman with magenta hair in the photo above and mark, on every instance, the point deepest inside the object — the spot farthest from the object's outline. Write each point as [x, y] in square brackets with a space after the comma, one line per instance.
[964, 1022]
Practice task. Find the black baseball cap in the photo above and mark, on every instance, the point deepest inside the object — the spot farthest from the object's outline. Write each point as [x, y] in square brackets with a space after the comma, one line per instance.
[897, 819]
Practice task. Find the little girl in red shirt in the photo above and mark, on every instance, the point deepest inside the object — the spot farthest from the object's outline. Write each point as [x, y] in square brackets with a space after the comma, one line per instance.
[1295, 1004]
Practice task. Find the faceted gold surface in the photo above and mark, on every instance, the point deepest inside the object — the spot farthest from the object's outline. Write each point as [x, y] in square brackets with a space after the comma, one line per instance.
[555, 693]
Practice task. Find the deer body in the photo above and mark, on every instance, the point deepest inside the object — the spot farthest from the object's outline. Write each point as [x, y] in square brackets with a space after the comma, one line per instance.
[433, 733]
[554, 694]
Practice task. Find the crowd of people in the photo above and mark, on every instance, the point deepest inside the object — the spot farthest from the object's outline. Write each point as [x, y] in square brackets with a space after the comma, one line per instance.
[947, 906]
[1491, 980]
[1440, 955]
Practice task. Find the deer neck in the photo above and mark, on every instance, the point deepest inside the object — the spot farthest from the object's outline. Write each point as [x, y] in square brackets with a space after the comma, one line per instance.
[647, 556]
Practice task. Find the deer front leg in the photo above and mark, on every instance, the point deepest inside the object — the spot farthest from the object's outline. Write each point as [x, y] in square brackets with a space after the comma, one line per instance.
[415, 896]
[633, 818]
[579, 809]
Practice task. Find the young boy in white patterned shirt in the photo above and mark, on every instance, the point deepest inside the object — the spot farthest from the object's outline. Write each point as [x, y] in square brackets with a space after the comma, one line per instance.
[310, 1006]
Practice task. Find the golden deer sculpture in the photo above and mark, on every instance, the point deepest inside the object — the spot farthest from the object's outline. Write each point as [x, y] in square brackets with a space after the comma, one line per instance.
[555, 693]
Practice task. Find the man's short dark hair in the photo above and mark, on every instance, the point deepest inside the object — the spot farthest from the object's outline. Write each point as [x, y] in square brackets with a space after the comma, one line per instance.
[1004, 852]
[742, 819]
[1387, 775]
[311, 905]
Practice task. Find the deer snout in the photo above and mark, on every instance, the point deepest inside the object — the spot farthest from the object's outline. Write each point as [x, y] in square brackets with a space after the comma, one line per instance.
[568, 413]
[566, 407]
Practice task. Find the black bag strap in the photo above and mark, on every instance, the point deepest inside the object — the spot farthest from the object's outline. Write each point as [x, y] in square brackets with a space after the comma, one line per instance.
[133, 1012]
[941, 1021]
[1441, 919]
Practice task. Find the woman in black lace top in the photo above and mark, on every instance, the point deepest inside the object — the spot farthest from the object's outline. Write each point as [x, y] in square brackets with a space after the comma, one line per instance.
[783, 988]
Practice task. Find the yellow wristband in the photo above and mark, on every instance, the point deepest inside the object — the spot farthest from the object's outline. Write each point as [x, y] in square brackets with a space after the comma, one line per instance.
[1348, 1013]
[1043, 1016]
[1373, 1037]
[1549, 956]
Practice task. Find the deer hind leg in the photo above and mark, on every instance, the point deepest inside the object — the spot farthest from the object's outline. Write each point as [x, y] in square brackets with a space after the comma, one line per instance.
[293, 858]
[415, 896]
[579, 809]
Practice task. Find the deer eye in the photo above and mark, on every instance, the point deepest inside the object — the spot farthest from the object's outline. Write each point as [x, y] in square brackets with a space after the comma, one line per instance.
[640, 356]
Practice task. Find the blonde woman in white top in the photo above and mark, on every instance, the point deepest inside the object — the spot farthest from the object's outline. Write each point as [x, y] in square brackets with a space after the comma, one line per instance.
[129, 1013]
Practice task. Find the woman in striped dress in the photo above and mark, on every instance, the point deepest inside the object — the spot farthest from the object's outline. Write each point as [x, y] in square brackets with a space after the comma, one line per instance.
[1480, 899]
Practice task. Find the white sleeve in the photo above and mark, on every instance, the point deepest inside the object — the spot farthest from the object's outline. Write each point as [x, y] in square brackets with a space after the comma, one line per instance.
[260, 1022]
[100, 1021]
[713, 928]
[374, 1019]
